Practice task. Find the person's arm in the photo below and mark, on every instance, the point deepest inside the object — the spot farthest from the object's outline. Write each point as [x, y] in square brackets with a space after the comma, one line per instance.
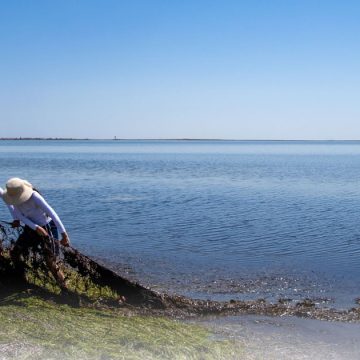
[11, 209]
[12, 212]
[16, 220]
[19, 216]
[41, 202]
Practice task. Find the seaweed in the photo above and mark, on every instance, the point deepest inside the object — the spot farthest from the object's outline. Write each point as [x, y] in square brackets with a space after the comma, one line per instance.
[92, 283]
[84, 275]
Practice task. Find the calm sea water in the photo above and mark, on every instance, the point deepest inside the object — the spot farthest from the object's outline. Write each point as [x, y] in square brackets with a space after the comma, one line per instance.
[210, 219]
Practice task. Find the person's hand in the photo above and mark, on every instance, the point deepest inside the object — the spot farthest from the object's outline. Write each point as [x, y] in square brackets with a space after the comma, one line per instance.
[15, 224]
[65, 241]
[41, 231]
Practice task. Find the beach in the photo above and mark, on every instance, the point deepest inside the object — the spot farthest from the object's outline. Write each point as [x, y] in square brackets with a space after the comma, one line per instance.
[48, 329]
[289, 337]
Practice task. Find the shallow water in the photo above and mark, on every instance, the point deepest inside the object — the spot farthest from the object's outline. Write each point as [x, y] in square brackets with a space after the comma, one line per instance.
[288, 338]
[210, 219]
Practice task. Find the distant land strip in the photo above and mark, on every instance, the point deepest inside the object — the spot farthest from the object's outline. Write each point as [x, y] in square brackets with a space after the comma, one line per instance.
[39, 138]
[179, 139]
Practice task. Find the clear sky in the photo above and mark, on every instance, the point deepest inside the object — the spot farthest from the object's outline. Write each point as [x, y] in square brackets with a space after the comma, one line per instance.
[271, 69]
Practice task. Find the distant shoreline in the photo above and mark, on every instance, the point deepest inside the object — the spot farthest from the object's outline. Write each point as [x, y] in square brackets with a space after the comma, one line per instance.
[170, 139]
[38, 138]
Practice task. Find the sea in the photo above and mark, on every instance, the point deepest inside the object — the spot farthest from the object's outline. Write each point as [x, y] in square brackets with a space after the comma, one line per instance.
[208, 219]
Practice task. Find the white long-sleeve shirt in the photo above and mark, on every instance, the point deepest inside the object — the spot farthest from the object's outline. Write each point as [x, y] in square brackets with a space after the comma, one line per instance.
[36, 212]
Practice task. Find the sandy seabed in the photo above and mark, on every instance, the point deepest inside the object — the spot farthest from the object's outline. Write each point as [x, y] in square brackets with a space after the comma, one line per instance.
[289, 337]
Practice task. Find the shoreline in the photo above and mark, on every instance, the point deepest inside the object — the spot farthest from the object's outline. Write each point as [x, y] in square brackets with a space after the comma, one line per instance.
[172, 306]
[62, 329]
[288, 337]
[181, 139]
[41, 329]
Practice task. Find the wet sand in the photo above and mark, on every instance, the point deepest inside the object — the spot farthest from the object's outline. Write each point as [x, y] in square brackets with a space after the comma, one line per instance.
[289, 337]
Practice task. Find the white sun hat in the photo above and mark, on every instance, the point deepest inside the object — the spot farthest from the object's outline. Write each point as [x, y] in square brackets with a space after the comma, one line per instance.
[17, 191]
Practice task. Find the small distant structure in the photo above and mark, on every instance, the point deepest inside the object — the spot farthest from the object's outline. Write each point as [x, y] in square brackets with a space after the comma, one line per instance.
[115, 138]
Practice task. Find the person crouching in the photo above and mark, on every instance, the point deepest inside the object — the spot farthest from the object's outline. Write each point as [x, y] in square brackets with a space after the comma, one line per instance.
[42, 225]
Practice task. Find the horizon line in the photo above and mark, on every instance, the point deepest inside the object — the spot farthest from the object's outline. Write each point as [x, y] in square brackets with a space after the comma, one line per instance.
[164, 139]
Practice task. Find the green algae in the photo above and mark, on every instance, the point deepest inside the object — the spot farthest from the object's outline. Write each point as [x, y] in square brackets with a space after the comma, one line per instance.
[76, 284]
[34, 328]
[38, 321]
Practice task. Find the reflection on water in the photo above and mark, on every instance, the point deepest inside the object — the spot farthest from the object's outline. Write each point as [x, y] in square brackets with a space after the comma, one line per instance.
[208, 218]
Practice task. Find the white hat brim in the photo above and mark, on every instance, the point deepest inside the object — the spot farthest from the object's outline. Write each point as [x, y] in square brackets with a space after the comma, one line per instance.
[18, 199]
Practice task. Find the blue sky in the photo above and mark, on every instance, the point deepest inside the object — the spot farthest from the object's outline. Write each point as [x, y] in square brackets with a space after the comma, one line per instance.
[275, 69]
